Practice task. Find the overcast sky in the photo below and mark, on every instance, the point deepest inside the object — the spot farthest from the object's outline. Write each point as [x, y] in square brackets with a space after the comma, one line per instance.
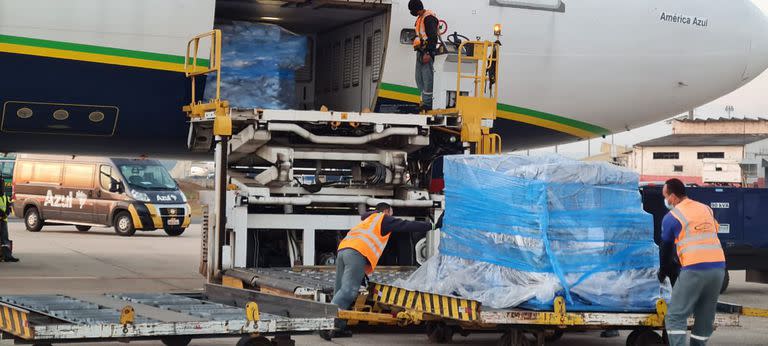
[750, 100]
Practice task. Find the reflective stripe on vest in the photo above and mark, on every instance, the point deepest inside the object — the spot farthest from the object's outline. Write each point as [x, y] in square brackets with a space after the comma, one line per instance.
[421, 31]
[698, 241]
[366, 239]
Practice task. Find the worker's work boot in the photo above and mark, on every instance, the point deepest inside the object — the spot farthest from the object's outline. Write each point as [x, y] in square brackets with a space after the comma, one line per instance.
[8, 256]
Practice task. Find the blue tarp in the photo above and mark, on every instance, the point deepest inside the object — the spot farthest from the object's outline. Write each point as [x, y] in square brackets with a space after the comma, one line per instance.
[521, 230]
[258, 65]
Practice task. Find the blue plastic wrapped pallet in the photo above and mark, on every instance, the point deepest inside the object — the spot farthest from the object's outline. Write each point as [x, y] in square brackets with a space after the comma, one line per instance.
[519, 231]
[259, 62]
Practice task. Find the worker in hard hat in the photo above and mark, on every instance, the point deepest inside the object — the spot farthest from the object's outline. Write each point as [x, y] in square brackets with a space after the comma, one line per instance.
[5, 210]
[425, 45]
[358, 254]
[690, 228]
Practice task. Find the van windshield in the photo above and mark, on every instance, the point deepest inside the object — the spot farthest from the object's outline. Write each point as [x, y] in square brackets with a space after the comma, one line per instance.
[147, 176]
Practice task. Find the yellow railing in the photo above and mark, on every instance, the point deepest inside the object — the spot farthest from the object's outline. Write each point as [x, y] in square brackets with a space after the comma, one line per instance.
[222, 125]
[478, 109]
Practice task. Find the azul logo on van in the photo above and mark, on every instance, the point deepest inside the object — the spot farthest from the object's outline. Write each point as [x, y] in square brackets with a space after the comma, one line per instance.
[167, 198]
[65, 201]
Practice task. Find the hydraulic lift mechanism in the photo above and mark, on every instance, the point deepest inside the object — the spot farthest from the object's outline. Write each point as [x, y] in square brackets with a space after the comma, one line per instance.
[289, 182]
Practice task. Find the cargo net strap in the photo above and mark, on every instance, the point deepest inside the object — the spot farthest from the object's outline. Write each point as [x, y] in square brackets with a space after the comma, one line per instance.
[521, 230]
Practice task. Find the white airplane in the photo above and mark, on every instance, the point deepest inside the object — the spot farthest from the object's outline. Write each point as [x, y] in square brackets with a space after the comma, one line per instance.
[88, 76]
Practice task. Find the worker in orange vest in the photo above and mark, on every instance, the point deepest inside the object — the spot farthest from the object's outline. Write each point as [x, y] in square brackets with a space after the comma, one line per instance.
[358, 254]
[425, 45]
[690, 228]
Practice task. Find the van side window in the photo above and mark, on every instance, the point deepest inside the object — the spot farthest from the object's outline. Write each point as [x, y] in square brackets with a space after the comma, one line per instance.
[105, 177]
[78, 176]
[46, 172]
[23, 172]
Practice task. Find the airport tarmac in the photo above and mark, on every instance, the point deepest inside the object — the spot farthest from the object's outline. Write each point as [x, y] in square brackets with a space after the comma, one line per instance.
[62, 260]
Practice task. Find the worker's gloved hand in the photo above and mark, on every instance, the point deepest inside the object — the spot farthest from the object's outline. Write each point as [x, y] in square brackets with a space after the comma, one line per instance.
[426, 58]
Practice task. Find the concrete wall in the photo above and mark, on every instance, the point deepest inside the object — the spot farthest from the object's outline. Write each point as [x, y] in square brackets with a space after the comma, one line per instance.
[720, 127]
[659, 170]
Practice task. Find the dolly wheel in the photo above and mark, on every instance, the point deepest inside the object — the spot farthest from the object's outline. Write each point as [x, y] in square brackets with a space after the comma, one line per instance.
[250, 340]
[514, 338]
[176, 341]
[644, 337]
[553, 335]
[439, 333]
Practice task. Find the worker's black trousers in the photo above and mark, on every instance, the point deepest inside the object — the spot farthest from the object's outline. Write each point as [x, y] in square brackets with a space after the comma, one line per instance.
[4, 239]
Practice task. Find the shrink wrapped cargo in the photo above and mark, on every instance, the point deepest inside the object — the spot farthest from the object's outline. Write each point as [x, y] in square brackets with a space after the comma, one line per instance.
[519, 231]
[259, 62]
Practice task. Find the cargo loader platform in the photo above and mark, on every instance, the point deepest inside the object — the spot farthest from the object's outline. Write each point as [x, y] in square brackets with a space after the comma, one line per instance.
[445, 315]
[174, 319]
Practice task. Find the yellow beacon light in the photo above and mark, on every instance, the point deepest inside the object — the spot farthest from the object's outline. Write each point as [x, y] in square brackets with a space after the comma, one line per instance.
[497, 30]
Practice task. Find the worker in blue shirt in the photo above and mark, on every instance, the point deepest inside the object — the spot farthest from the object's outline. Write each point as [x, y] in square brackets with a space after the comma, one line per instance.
[690, 229]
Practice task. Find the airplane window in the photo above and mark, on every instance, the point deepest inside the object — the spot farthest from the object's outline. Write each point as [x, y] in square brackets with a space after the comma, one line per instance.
[544, 5]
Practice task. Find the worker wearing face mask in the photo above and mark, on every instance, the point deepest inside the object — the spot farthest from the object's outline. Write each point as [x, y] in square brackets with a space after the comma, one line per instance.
[691, 230]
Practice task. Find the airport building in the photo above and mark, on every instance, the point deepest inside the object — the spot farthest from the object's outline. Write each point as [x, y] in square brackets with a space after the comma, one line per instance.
[707, 152]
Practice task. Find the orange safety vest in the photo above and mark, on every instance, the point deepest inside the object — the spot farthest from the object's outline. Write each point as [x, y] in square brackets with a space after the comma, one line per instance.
[421, 32]
[697, 241]
[366, 239]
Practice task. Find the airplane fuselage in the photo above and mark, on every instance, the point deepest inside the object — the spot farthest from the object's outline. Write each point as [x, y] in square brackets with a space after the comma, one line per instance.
[108, 78]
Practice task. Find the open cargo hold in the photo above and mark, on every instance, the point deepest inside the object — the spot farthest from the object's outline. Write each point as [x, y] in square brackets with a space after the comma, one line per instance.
[284, 55]
[520, 231]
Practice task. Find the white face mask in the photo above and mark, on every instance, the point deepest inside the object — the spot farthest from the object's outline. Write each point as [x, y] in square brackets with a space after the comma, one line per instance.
[669, 206]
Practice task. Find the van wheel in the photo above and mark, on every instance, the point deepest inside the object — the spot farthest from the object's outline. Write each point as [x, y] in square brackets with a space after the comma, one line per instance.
[32, 220]
[124, 224]
[174, 232]
[83, 228]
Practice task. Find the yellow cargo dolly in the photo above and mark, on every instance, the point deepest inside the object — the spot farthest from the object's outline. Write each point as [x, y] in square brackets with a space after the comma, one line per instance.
[445, 315]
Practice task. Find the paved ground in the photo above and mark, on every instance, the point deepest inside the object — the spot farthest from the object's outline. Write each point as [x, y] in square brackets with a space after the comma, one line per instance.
[62, 260]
